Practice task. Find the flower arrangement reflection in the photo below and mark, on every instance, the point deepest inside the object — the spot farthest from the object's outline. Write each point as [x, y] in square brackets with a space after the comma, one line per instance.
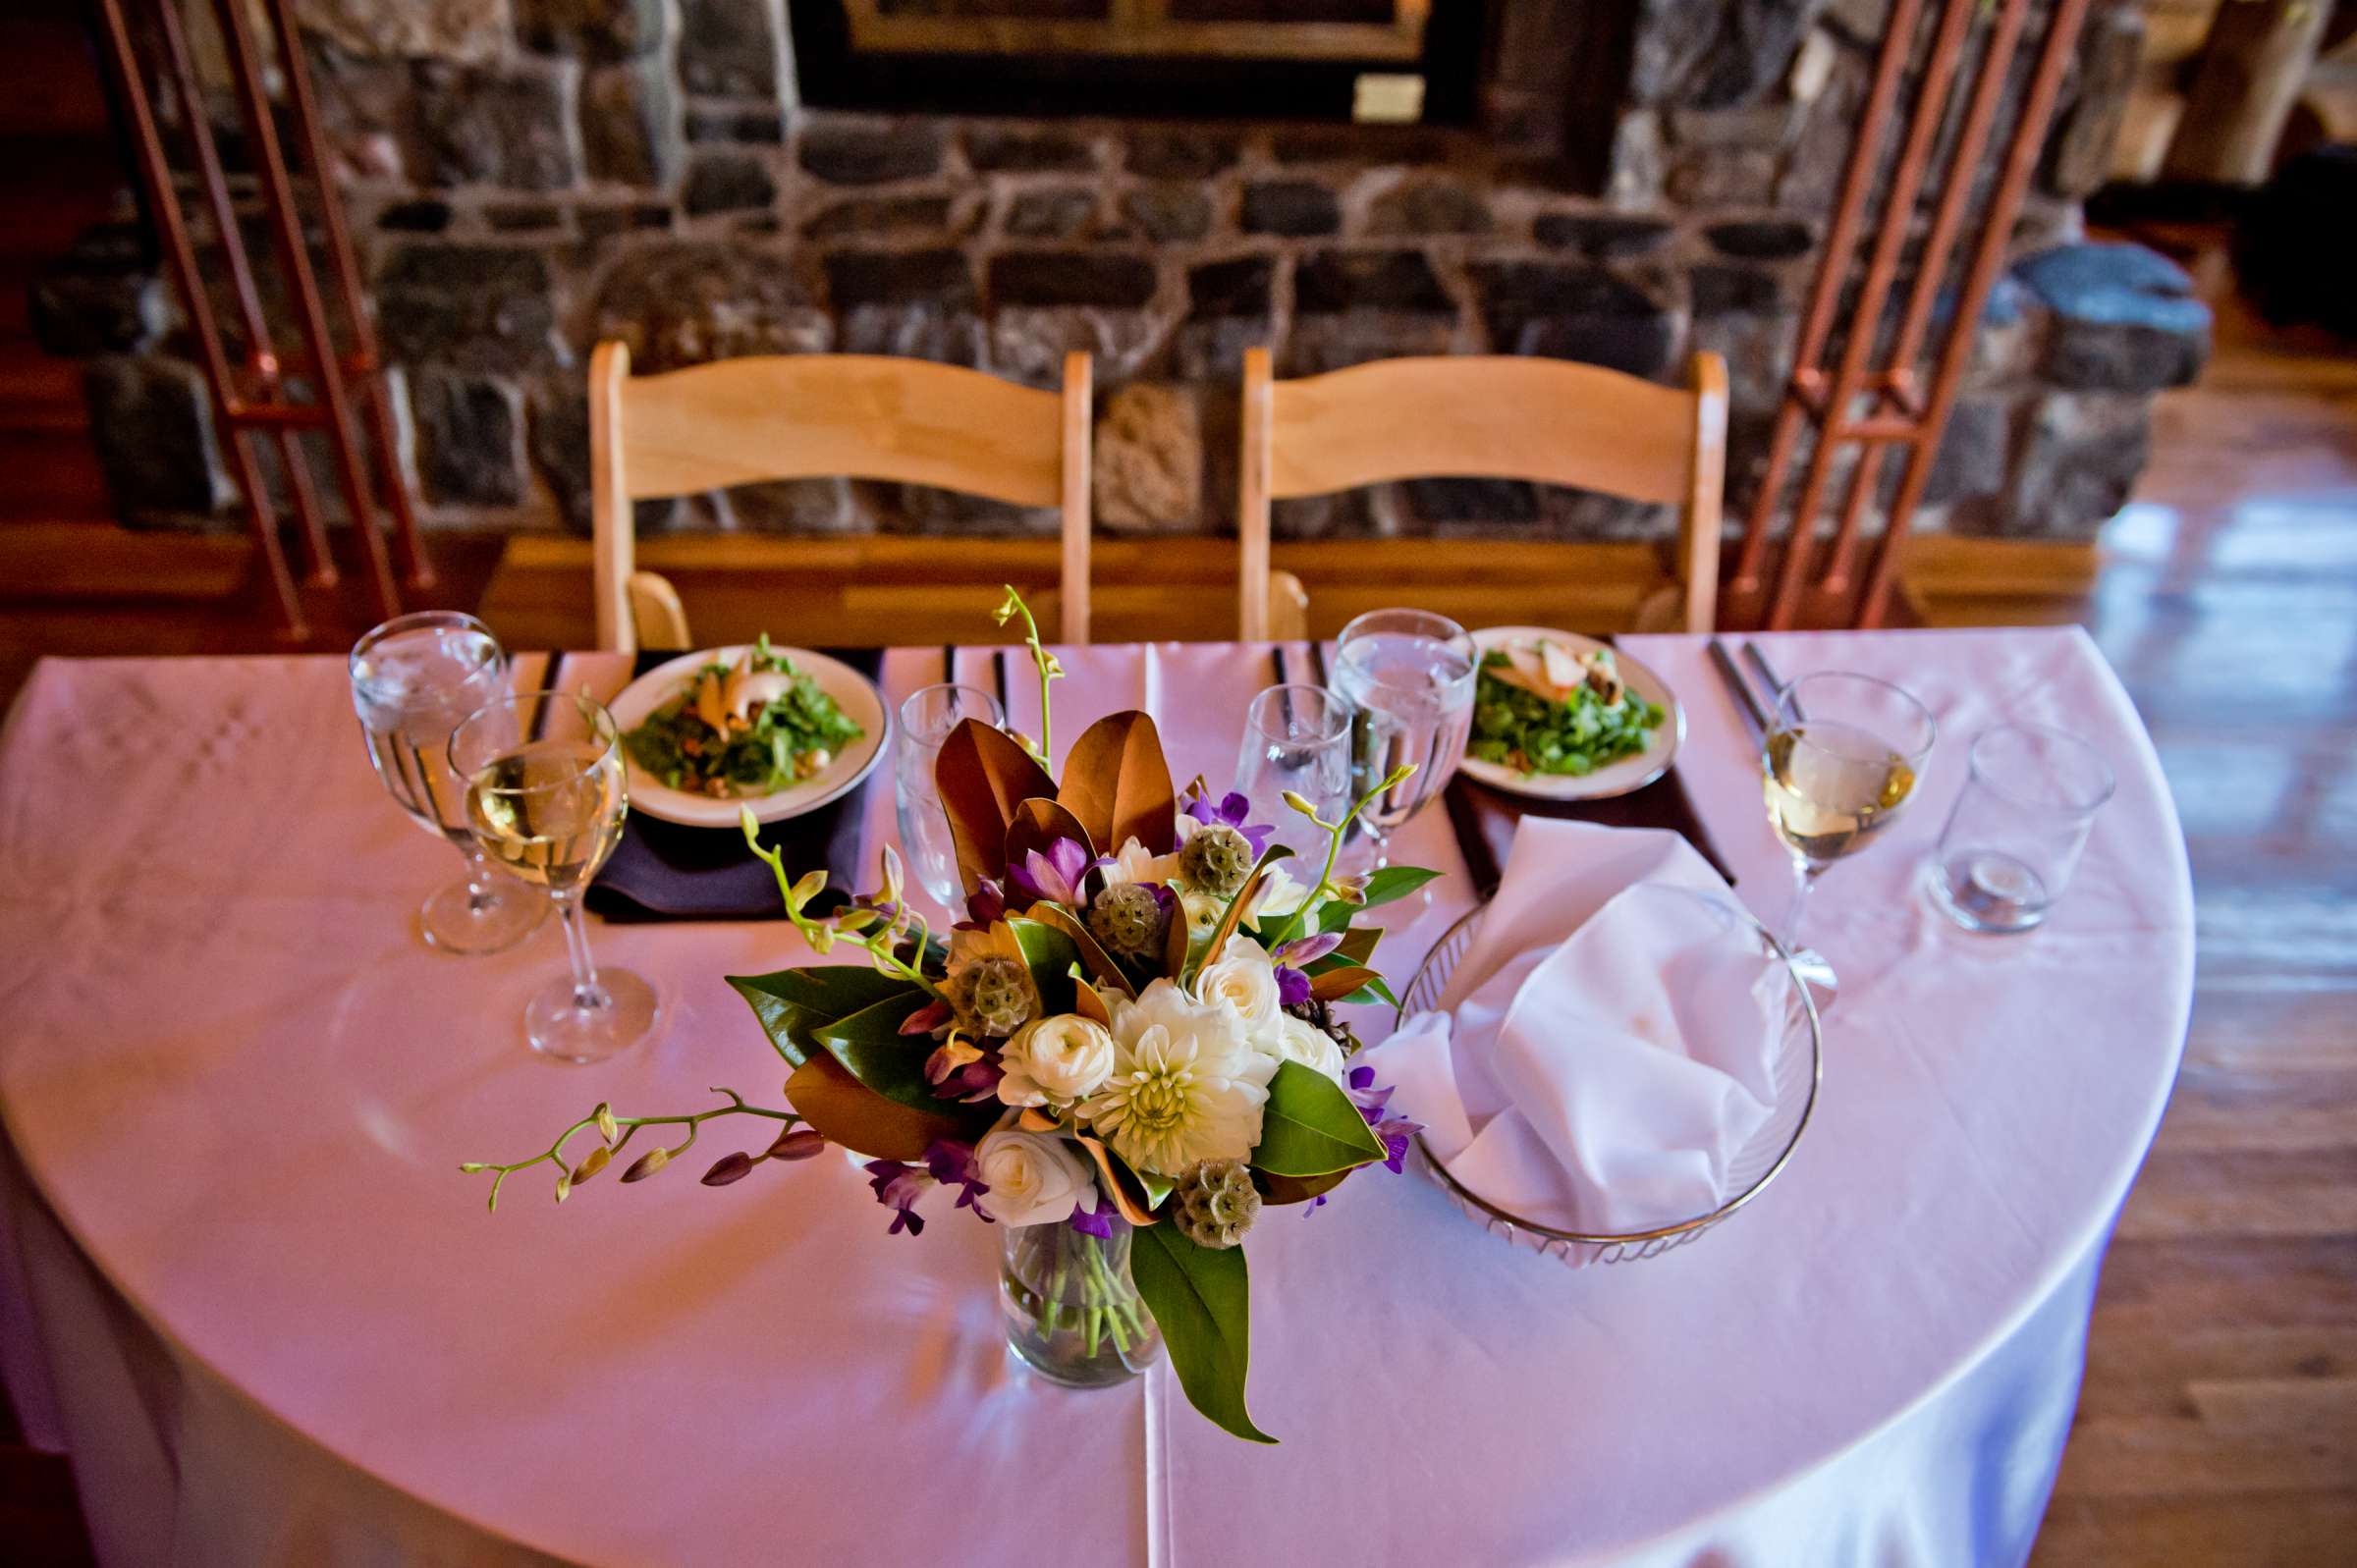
[1127, 1052]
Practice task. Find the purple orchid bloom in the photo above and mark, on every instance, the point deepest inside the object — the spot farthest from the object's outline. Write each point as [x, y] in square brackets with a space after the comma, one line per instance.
[950, 1162]
[1100, 1222]
[985, 906]
[1293, 978]
[974, 1082]
[1394, 1132]
[1055, 876]
[899, 1187]
[928, 1018]
[1229, 811]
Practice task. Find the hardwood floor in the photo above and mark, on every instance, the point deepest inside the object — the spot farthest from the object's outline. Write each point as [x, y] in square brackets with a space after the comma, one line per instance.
[2217, 1428]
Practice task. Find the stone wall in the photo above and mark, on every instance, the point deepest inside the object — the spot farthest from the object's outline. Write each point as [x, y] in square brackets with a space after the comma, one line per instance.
[529, 178]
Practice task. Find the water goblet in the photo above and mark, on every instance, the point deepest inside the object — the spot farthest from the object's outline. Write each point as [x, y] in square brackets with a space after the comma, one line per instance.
[1297, 741]
[546, 798]
[413, 680]
[926, 719]
[1408, 676]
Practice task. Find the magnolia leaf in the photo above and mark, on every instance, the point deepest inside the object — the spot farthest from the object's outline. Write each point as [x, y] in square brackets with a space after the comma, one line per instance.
[1033, 1119]
[727, 1168]
[843, 1111]
[1038, 823]
[595, 1162]
[1089, 1004]
[1334, 914]
[1094, 959]
[1281, 1190]
[870, 1043]
[1359, 943]
[1334, 984]
[1310, 1127]
[983, 775]
[1175, 937]
[1242, 901]
[791, 1004]
[1050, 953]
[1202, 1299]
[1118, 785]
[1128, 1196]
[1395, 882]
[647, 1164]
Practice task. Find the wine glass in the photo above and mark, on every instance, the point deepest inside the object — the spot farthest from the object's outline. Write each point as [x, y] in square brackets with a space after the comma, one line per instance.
[546, 797]
[1408, 678]
[413, 680]
[1840, 762]
[926, 720]
[1296, 740]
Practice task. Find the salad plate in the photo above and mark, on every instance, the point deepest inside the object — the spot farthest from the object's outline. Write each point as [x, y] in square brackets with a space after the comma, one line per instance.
[844, 766]
[1618, 776]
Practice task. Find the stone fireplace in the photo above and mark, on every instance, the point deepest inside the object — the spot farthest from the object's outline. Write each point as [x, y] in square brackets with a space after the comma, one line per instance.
[1614, 180]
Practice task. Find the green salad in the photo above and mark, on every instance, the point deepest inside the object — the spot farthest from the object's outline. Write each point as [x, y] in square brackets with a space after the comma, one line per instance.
[1564, 715]
[748, 728]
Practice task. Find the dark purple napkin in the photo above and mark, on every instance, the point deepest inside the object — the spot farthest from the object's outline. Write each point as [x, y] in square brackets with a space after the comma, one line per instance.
[662, 871]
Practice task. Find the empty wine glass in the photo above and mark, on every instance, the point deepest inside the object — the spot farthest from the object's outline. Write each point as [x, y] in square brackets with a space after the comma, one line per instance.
[1296, 740]
[1408, 678]
[413, 680]
[546, 797]
[926, 720]
[1840, 762]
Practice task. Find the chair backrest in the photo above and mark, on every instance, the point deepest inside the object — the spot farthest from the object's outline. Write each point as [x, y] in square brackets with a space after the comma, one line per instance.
[797, 416]
[1550, 421]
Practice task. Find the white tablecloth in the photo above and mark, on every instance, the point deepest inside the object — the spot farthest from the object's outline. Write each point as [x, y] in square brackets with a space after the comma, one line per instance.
[253, 1298]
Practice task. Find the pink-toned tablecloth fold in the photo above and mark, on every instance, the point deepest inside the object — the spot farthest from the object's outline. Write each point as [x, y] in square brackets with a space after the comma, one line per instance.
[279, 1327]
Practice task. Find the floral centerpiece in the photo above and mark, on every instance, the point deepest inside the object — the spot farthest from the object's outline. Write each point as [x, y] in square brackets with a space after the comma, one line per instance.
[1126, 1056]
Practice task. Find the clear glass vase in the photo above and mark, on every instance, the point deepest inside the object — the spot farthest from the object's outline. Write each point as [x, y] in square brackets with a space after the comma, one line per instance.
[1071, 1308]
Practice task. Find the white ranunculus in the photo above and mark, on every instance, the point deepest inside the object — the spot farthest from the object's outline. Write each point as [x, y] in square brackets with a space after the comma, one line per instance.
[1035, 1178]
[1187, 1083]
[1136, 864]
[1243, 978]
[1055, 1060]
[1203, 914]
[1295, 1038]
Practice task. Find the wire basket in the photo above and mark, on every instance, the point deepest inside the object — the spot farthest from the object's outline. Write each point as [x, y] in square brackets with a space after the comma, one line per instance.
[1794, 1072]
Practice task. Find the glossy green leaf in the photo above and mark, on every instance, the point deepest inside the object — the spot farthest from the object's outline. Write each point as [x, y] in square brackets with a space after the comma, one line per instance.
[1050, 955]
[871, 1047]
[1358, 946]
[1201, 1300]
[1395, 882]
[1310, 1128]
[793, 1004]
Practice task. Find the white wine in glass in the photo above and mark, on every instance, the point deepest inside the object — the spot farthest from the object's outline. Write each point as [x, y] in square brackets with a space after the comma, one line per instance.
[546, 798]
[1838, 765]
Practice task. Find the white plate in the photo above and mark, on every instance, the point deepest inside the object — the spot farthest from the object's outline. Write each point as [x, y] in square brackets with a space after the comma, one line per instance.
[853, 693]
[1613, 777]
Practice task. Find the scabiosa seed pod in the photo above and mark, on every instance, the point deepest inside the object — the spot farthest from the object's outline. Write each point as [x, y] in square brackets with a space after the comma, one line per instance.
[1214, 1203]
[1216, 860]
[999, 995]
[1127, 918]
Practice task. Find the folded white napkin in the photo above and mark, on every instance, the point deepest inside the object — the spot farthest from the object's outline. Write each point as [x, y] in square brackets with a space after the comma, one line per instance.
[1611, 1040]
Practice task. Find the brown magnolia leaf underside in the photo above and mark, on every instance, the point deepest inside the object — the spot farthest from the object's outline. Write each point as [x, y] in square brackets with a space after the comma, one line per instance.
[843, 1111]
[1242, 901]
[1335, 984]
[1093, 956]
[1126, 1196]
[983, 776]
[1297, 1189]
[1116, 783]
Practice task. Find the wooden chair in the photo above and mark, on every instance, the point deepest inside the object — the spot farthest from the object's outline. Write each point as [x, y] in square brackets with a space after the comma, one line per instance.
[1495, 418]
[799, 417]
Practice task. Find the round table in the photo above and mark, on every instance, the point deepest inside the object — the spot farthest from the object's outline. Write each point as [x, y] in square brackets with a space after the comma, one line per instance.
[275, 1324]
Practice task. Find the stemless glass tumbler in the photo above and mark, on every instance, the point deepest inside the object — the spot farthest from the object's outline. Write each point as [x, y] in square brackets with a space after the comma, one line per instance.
[1297, 741]
[413, 680]
[926, 720]
[1409, 675]
[2030, 794]
[546, 797]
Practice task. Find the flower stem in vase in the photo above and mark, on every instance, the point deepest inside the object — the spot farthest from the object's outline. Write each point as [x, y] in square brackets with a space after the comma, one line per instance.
[1072, 1310]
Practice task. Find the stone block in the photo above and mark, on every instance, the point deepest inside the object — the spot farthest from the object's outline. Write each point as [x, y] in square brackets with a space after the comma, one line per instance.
[1148, 460]
[1242, 286]
[2081, 453]
[1333, 281]
[606, 219]
[1167, 212]
[152, 423]
[729, 47]
[863, 153]
[888, 215]
[630, 124]
[458, 30]
[2124, 318]
[1761, 238]
[947, 334]
[496, 126]
[1181, 154]
[1056, 213]
[1637, 162]
[470, 438]
[938, 278]
[1720, 291]
[1012, 149]
[1713, 54]
[426, 215]
[1572, 310]
[1028, 342]
[1975, 453]
[366, 110]
[764, 125]
[1290, 207]
[1319, 344]
[922, 508]
[466, 306]
[523, 217]
[1072, 278]
[1588, 516]
[1721, 177]
[1361, 144]
[102, 299]
[1757, 347]
[789, 505]
[1601, 235]
[1498, 502]
[598, 30]
[682, 302]
[2078, 151]
[727, 181]
[1438, 205]
[1343, 515]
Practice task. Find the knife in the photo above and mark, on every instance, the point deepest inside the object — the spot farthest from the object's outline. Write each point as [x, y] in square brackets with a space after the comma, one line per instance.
[1473, 840]
[1775, 685]
[1741, 689]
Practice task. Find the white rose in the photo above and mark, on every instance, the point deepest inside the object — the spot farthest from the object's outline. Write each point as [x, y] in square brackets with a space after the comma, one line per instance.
[1243, 978]
[1298, 1040]
[1035, 1178]
[1055, 1060]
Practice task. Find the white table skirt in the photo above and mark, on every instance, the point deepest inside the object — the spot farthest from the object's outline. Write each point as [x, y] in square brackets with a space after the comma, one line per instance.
[282, 1330]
